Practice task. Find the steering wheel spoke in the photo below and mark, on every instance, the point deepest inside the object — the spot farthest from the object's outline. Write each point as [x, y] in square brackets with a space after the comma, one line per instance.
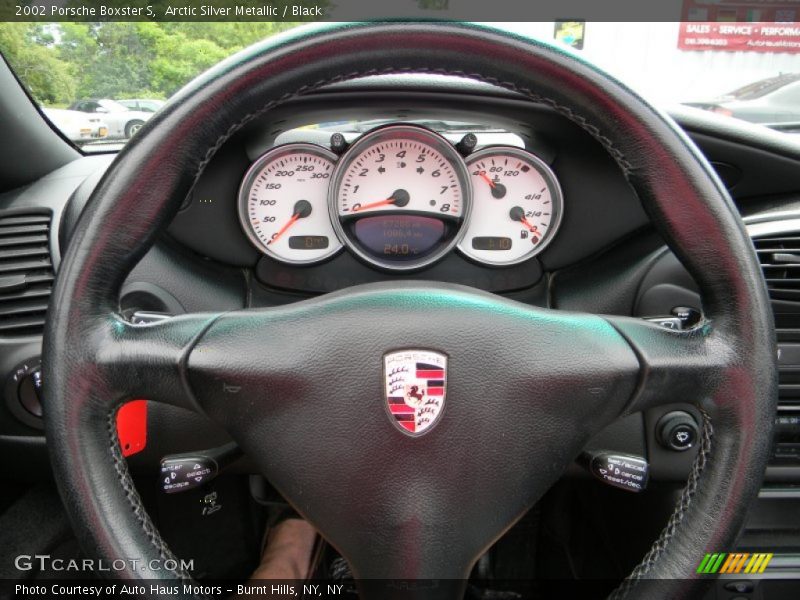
[146, 361]
[676, 366]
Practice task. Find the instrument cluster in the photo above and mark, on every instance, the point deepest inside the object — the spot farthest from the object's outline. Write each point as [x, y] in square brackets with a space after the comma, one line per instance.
[400, 197]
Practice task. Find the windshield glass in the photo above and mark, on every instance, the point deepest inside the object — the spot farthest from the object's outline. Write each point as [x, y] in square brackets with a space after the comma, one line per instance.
[100, 82]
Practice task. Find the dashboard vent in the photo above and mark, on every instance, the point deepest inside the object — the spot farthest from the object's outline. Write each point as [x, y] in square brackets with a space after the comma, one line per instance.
[780, 260]
[26, 273]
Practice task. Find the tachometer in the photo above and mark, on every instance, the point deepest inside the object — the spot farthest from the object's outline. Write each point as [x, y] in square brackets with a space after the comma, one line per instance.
[517, 206]
[283, 204]
[399, 197]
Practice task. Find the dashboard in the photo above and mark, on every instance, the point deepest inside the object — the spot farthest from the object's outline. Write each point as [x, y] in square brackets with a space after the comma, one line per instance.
[492, 192]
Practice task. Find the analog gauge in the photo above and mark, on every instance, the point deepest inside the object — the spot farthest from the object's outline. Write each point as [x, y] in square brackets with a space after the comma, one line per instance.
[517, 206]
[400, 196]
[283, 204]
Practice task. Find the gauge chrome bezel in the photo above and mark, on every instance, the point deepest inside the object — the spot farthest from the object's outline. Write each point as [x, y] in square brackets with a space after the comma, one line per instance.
[556, 195]
[246, 185]
[401, 131]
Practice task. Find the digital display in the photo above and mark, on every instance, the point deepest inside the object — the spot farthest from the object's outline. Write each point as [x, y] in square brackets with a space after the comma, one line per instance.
[399, 237]
[491, 243]
[308, 242]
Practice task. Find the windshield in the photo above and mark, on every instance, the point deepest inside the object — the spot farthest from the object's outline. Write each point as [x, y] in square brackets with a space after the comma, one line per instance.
[107, 79]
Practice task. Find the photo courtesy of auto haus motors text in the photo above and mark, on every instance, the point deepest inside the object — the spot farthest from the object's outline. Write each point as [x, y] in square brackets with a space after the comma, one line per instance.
[409, 300]
[156, 590]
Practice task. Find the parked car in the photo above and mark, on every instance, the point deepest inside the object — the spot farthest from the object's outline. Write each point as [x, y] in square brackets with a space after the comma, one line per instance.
[150, 105]
[122, 122]
[77, 126]
[772, 100]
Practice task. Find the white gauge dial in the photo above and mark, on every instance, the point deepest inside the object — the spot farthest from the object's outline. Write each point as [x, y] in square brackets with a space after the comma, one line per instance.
[283, 204]
[399, 197]
[517, 206]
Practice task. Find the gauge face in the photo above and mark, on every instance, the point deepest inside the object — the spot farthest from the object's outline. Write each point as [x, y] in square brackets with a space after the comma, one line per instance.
[516, 209]
[400, 196]
[283, 204]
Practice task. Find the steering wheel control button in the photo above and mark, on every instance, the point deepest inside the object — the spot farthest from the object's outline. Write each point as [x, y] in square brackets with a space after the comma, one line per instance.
[23, 392]
[182, 472]
[147, 317]
[623, 471]
[689, 316]
[668, 322]
[677, 431]
[416, 382]
[30, 391]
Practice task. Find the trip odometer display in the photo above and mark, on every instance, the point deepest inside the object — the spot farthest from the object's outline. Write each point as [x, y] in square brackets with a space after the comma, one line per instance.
[400, 196]
[283, 204]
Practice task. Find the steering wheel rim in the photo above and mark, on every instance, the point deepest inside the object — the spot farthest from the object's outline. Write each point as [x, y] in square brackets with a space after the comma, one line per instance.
[93, 360]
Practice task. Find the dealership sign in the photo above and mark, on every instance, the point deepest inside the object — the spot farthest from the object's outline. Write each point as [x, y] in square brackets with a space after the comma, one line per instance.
[740, 26]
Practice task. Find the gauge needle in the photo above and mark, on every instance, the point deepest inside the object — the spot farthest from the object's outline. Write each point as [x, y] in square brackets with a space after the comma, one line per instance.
[301, 210]
[517, 214]
[398, 198]
[498, 189]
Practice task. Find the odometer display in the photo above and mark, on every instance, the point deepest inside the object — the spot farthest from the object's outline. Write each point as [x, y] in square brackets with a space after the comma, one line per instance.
[400, 196]
[283, 204]
[401, 237]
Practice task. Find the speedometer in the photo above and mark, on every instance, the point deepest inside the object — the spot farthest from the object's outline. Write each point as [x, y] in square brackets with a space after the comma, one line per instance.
[400, 196]
[517, 206]
[283, 204]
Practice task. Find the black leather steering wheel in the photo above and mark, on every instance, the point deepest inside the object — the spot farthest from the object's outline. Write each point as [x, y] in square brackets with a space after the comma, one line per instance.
[527, 387]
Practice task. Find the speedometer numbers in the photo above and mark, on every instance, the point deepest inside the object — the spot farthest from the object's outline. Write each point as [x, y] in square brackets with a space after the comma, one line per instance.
[283, 204]
[399, 197]
[517, 206]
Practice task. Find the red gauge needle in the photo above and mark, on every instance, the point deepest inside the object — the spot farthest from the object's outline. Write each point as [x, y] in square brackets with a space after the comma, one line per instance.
[517, 214]
[527, 224]
[283, 229]
[359, 207]
[301, 210]
[398, 198]
[498, 189]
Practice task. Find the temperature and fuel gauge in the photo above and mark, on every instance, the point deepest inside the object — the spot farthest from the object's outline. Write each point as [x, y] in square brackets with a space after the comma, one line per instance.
[283, 204]
[516, 206]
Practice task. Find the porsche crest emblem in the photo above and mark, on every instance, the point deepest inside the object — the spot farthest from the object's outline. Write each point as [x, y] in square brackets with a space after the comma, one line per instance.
[416, 382]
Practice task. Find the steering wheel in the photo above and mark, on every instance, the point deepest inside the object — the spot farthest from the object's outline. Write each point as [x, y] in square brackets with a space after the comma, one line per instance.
[300, 387]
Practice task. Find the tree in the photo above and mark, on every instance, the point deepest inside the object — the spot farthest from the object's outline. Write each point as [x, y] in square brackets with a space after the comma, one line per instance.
[30, 51]
[66, 61]
[110, 58]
